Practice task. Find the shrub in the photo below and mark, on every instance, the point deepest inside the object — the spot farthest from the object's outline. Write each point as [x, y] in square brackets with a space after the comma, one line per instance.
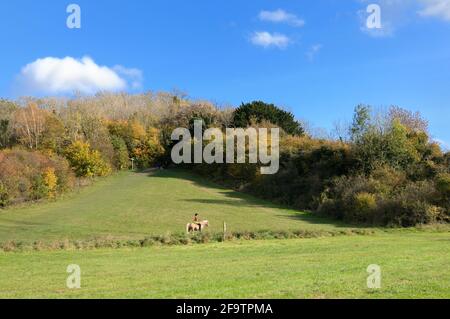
[412, 204]
[364, 206]
[346, 195]
[50, 181]
[383, 200]
[31, 175]
[85, 161]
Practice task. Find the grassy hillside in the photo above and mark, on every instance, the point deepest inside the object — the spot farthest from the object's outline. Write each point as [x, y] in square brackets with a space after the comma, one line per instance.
[412, 264]
[134, 205]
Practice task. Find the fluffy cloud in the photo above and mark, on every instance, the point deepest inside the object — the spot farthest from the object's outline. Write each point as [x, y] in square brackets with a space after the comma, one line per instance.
[436, 8]
[266, 39]
[281, 16]
[67, 75]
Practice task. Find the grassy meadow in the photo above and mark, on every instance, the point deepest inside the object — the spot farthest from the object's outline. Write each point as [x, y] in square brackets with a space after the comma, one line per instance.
[135, 205]
[413, 265]
[414, 262]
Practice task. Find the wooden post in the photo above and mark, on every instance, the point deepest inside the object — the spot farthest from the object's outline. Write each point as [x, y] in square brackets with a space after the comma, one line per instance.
[224, 231]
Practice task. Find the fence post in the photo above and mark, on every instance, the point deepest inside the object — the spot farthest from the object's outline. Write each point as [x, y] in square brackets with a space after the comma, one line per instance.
[224, 231]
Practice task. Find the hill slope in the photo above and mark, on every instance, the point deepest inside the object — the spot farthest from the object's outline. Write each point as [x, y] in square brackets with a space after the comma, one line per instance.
[134, 205]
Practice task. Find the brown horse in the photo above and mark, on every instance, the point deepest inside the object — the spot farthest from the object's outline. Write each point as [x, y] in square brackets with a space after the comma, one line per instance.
[196, 227]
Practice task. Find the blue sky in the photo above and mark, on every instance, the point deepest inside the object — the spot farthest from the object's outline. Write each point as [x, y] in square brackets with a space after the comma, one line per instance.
[315, 58]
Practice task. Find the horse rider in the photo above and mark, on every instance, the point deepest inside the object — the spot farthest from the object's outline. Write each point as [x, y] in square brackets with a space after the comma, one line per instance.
[196, 221]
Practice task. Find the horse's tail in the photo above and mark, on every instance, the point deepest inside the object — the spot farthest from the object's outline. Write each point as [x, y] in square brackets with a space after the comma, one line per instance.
[187, 228]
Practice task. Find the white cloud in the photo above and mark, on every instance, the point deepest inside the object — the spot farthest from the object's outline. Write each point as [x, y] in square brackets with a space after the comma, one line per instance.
[281, 16]
[436, 8]
[266, 39]
[134, 76]
[313, 51]
[67, 75]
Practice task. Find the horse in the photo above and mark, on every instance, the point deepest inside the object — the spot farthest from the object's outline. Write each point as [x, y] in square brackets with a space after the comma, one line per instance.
[194, 227]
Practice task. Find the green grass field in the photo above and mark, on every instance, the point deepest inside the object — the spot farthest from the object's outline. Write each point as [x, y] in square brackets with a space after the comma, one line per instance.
[415, 263]
[135, 205]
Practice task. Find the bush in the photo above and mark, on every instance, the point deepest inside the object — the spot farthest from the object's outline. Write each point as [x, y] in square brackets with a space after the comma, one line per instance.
[364, 206]
[340, 199]
[383, 200]
[413, 203]
[26, 175]
[85, 161]
[50, 181]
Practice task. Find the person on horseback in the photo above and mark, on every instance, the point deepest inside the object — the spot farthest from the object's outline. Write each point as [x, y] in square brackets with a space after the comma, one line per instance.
[196, 225]
[196, 221]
